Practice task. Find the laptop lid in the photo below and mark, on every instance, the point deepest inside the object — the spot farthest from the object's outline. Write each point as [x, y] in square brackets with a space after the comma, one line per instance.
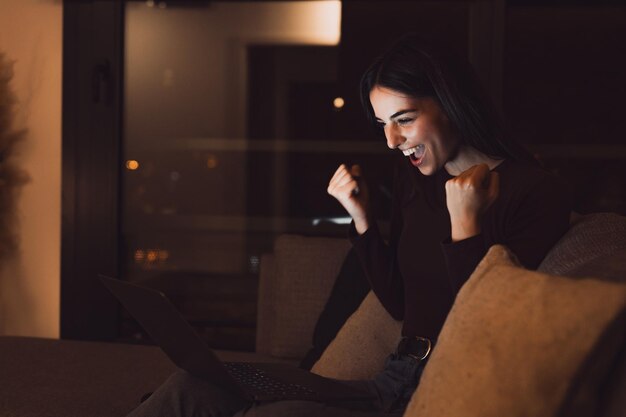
[169, 329]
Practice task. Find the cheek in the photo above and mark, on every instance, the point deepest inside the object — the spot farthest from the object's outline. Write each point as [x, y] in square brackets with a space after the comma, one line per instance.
[422, 132]
[427, 134]
[445, 140]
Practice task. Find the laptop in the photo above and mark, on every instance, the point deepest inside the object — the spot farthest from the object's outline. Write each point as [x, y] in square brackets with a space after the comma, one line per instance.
[258, 382]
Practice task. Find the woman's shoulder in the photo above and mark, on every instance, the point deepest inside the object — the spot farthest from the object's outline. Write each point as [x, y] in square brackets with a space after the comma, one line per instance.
[524, 172]
[523, 178]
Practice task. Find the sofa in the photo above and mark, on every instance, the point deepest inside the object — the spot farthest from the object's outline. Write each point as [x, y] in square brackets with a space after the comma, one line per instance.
[549, 342]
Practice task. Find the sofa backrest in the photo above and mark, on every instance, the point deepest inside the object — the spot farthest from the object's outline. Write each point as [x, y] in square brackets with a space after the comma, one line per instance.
[306, 267]
[595, 246]
[295, 283]
[589, 248]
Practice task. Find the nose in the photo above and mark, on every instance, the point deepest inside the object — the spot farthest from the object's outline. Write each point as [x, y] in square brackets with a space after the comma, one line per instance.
[393, 135]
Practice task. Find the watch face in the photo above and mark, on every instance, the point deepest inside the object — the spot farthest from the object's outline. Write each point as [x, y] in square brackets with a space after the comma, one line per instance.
[424, 348]
[416, 347]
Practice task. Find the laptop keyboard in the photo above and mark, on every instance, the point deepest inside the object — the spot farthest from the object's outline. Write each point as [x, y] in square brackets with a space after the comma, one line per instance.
[260, 382]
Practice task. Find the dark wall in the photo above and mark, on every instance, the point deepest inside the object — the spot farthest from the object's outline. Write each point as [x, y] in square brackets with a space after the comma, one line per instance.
[564, 73]
[559, 77]
[369, 27]
[564, 90]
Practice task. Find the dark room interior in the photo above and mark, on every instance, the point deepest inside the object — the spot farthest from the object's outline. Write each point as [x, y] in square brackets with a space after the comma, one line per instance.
[196, 144]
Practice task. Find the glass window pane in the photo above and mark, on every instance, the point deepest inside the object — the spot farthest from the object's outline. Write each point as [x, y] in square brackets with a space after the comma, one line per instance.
[231, 134]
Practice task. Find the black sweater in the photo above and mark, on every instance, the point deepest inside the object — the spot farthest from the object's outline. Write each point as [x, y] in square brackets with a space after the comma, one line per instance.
[418, 274]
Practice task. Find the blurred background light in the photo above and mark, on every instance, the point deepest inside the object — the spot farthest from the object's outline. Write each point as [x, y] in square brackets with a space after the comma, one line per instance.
[132, 165]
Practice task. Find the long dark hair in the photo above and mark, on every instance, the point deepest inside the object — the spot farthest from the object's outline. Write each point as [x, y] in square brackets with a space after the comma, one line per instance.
[411, 68]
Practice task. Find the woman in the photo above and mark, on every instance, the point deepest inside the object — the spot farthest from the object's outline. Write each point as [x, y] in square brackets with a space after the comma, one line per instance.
[462, 188]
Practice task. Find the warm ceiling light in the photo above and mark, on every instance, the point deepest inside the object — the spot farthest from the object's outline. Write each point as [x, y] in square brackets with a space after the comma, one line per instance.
[338, 103]
[328, 18]
[319, 21]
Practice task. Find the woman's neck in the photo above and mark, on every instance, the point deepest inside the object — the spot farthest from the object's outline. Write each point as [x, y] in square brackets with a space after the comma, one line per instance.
[466, 158]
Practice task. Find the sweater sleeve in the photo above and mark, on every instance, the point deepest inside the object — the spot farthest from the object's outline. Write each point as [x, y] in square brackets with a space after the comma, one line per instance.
[537, 218]
[540, 220]
[462, 257]
[379, 260]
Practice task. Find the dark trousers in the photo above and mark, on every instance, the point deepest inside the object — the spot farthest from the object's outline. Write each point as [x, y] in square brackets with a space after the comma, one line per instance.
[185, 395]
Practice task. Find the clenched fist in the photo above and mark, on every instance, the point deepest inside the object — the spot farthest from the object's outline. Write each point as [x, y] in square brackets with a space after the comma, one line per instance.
[352, 193]
[468, 196]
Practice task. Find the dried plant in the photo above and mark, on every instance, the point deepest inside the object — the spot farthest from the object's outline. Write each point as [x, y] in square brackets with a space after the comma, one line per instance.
[12, 177]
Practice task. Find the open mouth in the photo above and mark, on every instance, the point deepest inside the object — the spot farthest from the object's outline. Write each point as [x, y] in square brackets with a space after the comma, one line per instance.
[415, 154]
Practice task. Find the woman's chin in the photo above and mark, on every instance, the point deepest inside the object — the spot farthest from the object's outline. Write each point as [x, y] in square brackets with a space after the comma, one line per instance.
[423, 164]
[426, 170]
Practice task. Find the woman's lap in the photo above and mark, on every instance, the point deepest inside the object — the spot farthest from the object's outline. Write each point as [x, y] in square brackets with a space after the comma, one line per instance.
[185, 395]
[308, 409]
[182, 394]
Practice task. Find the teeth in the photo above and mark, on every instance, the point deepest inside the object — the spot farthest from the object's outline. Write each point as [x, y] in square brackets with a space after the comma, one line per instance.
[413, 150]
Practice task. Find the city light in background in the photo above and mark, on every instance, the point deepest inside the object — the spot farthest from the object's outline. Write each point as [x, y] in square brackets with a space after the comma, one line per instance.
[132, 165]
[338, 103]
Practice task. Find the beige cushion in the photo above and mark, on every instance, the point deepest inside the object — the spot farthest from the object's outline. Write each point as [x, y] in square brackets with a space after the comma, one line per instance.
[361, 346]
[305, 270]
[519, 343]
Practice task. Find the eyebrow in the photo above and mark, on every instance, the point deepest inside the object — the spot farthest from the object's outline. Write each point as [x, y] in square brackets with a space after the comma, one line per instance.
[399, 113]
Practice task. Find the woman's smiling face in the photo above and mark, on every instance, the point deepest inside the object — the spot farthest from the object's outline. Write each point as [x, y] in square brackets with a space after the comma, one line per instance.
[416, 126]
